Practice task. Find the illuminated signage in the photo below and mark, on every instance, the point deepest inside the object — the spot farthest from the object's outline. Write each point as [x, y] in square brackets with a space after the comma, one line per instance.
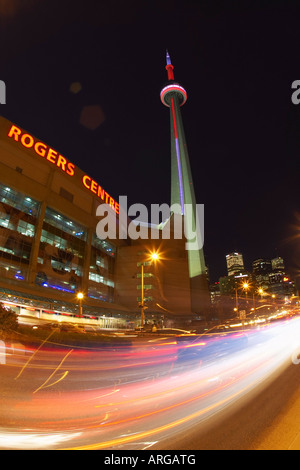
[95, 188]
[61, 162]
[42, 150]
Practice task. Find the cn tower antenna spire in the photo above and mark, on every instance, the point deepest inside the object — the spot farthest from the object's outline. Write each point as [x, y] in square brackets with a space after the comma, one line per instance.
[168, 58]
[169, 66]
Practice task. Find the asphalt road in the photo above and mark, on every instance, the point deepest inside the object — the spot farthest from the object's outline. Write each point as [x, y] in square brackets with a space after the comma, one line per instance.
[268, 419]
[154, 393]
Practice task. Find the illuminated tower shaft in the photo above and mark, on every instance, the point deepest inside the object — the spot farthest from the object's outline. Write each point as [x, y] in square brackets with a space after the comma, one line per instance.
[173, 95]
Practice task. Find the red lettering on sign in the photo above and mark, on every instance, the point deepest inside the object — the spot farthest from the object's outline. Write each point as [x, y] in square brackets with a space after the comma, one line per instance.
[14, 132]
[27, 140]
[51, 155]
[43, 150]
[70, 169]
[96, 189]
[61, 162]
[40, 149]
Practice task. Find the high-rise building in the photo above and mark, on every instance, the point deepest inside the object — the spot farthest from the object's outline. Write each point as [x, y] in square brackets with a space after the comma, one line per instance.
[235, 263]
[183, 201]
[262, 269]
[278, 264]
[261, 266]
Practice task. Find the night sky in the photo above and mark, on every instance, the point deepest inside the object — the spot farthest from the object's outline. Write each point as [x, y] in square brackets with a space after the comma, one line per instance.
[237, 62]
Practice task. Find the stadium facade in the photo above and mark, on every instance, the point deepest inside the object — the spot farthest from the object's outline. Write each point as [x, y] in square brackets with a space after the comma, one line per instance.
[49, 247]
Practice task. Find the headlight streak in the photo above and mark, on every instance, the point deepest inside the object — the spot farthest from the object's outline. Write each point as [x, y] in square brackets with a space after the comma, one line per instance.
[116, 443]
[148, 394]
[29, 440]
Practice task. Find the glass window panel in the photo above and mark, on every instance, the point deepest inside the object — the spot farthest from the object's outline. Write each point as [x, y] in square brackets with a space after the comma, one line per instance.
[64, 224]
[19, 201]
[104, 245]
[61, 253]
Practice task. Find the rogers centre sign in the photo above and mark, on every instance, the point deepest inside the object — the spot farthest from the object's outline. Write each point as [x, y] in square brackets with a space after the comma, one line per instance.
[61, 162]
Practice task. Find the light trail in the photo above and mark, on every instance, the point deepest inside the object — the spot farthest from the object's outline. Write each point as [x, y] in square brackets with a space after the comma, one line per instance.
[36, 351]
[153, 390]
[46, 384]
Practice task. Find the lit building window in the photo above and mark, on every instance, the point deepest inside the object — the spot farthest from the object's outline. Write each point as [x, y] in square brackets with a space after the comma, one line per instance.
[102, 270]
[18, 218]
[62, 249]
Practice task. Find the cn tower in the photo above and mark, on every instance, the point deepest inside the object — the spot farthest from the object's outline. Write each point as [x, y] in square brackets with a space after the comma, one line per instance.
[174, 96]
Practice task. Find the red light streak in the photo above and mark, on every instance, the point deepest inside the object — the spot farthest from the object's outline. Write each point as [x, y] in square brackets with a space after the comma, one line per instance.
[151, 395]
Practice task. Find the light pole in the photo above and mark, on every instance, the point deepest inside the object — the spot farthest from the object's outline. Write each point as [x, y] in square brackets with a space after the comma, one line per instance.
[246, 287]
[236, 299]
[154, 257]
[80, 297]
[243, 314]
[142, 298]
[261, 292]
[254, 304]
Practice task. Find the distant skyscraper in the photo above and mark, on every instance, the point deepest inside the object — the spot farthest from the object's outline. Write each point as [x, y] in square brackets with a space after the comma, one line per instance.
[277, 264]
[173, 95]
[261, 266]
[235, 263]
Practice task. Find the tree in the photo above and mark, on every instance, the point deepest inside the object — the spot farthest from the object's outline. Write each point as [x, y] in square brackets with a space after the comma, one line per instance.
[8, 320]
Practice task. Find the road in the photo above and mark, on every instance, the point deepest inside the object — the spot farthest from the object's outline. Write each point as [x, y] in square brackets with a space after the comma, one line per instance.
[154, 393]
[268, 420]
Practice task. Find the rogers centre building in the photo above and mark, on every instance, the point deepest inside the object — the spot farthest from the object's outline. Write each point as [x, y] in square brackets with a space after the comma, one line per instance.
[48, 244]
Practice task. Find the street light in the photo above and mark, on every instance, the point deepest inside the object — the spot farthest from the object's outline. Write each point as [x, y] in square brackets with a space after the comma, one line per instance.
[236, 309]
[80, 297]
[154, 257]
[246, 286]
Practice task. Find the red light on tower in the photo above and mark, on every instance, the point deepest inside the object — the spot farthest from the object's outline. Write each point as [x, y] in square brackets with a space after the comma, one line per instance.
[169, 68]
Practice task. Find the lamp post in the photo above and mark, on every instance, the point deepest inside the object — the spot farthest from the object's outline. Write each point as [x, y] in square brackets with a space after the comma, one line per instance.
[153, 257]
[244, 313]
[246, 287]
[254, 303]
[236, 299]
[261, 292]
[142, 298]
[80, 297]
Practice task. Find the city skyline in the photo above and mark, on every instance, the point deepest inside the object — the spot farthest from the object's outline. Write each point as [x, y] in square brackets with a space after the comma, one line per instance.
[248, 267]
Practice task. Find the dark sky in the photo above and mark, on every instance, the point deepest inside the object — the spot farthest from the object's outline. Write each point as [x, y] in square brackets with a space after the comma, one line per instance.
[237, 62]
